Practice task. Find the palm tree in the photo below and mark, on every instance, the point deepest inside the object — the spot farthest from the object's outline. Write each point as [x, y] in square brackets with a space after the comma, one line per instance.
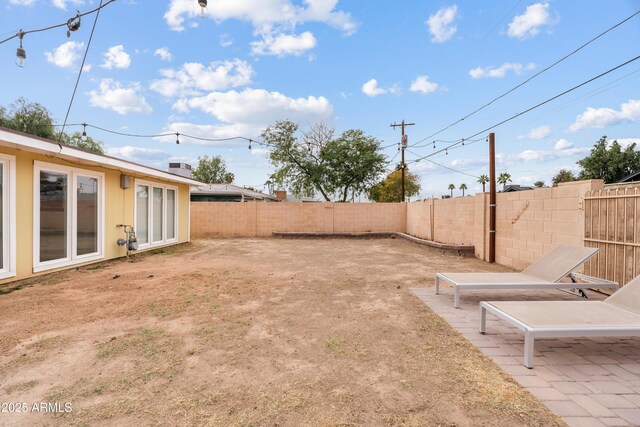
[503, 178]
[483, 179]
[463, 187]
[452, 187]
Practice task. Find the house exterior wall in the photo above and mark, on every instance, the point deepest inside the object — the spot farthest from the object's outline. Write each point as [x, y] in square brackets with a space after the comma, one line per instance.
[118, 209]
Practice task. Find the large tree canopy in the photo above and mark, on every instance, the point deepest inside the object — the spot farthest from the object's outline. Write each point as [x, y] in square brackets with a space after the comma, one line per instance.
[212, 170]
[316, 162]
[609, 162]
[390, 190]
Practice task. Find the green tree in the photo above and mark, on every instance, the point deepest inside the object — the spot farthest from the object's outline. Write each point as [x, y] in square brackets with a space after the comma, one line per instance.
[317, 162]
[86, 143]
[451, 188]
[212, 170]
[538, 184]
[563, 175]
[609, 162]
[28, 117]
[503, 179]
[483, 179]
[390, 190]
[463, 187]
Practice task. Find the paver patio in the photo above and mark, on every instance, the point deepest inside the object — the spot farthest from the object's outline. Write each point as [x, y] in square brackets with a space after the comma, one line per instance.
[586, 381]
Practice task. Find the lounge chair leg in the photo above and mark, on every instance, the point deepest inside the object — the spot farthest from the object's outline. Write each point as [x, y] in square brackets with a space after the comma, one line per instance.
[456, 297]
[528, 349]
[437, 285]
[483, 320]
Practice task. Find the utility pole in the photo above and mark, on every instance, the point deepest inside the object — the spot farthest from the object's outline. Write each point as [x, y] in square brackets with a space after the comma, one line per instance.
[403, 144]
[492, 197]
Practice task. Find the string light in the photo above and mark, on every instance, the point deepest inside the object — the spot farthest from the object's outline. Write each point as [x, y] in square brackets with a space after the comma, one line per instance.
[84, 132]
[21, 53]
[250, 145]
[203, 7]
[177, 138]
[73, 24]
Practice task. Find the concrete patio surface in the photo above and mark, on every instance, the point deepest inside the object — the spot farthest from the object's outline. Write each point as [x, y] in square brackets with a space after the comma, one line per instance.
[586, 381]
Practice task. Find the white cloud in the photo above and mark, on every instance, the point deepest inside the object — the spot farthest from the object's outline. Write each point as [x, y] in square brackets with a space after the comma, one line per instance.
[283, 44]
[269, 14]
[65, 55]
[528, 24]
[116, 57]
[602, 117]
[163, 53]
[148, 156]
[371, 88]
[114, 96]
[423, 85]
[540, 132]
[22, 2]
[62, 4]
[441, 24]
[194, 77]
[625, 142]
[501, 71]
[258, 107]
[562, 144]
[226, 40]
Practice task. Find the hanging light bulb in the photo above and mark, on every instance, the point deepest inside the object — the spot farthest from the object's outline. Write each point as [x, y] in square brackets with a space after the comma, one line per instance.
[84, 133]
[446, 151]
[434, 145]
[250, 145]
[178, 138]
[462, 141]
[73, 24]
[203, 7]
[21, 53]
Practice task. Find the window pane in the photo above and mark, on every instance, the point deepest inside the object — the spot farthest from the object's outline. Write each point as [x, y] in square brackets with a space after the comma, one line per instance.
[142, 215]
[157, 214]
[1, 216]
[87, 215]
[53, 216]
[171, 214]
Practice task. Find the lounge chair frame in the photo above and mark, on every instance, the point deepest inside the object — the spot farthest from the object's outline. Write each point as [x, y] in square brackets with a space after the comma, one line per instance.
[531, 333]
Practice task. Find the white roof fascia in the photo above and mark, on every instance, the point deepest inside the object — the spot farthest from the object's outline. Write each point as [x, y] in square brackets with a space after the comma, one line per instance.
[38, 145]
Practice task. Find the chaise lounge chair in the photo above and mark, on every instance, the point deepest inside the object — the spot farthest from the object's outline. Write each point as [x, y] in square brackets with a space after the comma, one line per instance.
[545, 273]
[616, 316]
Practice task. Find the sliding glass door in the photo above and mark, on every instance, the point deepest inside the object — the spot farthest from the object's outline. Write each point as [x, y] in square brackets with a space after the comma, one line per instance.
[156, 213]
[68, 216]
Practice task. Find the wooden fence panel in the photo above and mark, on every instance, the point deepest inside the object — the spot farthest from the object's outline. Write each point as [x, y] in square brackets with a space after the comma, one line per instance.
[612, 224]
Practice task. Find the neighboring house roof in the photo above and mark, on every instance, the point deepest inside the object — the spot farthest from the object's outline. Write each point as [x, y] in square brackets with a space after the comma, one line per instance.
[231, 190]
[514, 187]
[631, 178]
[22, 141]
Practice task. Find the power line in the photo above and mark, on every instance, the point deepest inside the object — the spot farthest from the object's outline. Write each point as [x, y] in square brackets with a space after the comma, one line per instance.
[442, 166]
[540, 104]
[530, 78]
[84, 58]
[64, 24]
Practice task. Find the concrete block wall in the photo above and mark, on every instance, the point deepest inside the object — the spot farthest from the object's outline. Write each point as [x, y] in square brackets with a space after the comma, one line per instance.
[528, 223]
[251, 219]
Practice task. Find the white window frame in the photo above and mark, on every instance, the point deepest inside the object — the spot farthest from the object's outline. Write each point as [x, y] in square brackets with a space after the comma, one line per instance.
[72, 218]
[150, 184]
[8, 216]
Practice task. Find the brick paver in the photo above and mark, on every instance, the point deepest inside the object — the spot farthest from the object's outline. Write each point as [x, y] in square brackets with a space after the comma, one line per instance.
[586, 381]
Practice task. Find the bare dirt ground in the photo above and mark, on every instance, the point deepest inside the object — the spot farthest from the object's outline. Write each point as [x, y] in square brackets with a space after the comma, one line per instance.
[252, 332]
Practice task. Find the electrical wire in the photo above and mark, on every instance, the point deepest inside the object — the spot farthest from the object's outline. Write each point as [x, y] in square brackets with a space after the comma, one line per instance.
[443, 166]
[540, 104]
[84, 58]
[64, 24]
[530, 78]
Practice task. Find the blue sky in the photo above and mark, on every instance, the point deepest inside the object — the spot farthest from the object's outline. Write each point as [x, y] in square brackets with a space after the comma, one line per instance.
[157, 66]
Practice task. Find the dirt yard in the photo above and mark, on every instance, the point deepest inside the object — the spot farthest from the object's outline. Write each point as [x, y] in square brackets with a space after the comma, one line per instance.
[250, 332]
